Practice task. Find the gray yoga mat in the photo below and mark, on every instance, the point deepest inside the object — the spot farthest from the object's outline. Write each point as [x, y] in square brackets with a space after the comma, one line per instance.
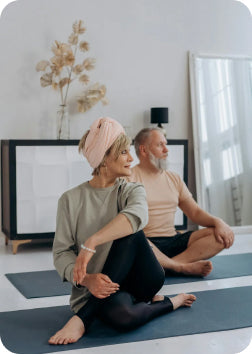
[48, 283]
[39, 284]
[228, 266]
[27, 331]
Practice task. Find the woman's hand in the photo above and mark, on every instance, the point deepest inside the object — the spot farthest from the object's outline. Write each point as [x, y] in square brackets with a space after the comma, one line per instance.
[100, 285]
[80, 268]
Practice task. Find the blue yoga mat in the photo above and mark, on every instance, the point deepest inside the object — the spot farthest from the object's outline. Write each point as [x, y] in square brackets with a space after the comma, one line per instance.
[48, 283]
[27, 331]
[228, 266]
[39, 284]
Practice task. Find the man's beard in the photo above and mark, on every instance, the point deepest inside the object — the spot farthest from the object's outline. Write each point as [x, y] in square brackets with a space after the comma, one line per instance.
[159, 164]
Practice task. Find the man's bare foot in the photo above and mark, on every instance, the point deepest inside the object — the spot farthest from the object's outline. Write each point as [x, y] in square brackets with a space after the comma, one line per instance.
[199, 268]
[178, 300]
[182, 300]
[70, 333]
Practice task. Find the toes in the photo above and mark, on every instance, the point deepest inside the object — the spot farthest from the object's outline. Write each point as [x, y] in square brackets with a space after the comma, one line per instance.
[60, 341]
[52, 340]
[190, 298]
[210, 264]
[66, 341]
[189, 302]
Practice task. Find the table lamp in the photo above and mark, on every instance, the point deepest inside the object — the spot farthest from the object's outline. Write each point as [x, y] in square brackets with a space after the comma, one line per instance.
[159, 115]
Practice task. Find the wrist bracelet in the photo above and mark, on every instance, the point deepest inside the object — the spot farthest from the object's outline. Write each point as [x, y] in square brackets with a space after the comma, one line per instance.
[88, 249]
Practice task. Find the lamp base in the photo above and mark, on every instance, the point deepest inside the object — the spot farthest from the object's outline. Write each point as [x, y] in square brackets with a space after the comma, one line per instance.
[162, 128]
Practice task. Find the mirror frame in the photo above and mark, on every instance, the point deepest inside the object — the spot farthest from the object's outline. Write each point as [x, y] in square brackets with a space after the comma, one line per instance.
[245, 229]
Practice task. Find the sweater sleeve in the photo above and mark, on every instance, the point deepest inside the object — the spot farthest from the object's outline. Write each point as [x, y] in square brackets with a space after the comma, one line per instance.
[133, 204]
[64, 249]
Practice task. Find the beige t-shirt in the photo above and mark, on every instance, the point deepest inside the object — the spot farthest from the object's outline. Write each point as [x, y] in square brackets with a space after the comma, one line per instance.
[84, 210]
[164, 193]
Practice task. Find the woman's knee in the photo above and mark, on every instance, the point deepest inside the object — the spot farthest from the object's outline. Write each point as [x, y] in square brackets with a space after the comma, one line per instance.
[138, 236]
[153, 287]
[132, 239]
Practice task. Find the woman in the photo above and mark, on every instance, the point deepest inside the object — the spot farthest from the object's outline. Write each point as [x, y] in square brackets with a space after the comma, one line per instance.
[114, 281]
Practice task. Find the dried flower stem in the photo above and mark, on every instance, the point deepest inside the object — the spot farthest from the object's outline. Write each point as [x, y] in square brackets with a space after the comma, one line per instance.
[69, 76]
[60, 71]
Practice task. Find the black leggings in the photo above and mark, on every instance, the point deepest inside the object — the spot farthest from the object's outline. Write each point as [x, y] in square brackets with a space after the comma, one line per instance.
[132, 264]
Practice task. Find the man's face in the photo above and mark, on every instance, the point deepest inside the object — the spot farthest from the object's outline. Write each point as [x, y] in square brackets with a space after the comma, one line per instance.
[157, 145]
[158, 151]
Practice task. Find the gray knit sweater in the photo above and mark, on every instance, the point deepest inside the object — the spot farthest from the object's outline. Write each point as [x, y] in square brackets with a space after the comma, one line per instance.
[84, 210]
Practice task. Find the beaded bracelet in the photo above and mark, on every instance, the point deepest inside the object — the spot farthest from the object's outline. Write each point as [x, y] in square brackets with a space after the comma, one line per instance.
[88, 249]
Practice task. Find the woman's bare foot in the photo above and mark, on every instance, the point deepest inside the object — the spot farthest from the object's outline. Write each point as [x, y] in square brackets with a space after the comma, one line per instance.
[182, 300]
[157, 298]
[178, 300]
[201, 268]
[70, 333]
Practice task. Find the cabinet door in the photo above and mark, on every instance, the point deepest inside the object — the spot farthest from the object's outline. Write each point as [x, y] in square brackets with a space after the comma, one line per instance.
[43, 174]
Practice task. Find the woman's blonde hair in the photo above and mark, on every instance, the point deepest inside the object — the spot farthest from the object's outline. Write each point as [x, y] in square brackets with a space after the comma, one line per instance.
[121, 143]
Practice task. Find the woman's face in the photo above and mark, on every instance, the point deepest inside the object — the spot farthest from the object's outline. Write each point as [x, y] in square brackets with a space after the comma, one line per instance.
[119, 167]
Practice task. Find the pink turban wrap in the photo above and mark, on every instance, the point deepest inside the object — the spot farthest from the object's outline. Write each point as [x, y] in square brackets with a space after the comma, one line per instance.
[103, 133]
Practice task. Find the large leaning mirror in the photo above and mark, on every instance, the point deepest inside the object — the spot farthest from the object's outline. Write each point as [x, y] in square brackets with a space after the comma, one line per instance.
[221, 92]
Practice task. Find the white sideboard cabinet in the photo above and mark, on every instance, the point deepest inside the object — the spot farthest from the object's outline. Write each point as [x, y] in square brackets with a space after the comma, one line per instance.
[35, 173]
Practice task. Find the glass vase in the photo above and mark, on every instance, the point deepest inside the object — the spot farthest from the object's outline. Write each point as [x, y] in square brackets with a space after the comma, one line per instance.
[63, 124]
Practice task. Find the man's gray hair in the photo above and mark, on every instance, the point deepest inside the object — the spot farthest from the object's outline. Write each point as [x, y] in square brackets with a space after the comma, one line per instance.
[143, 136]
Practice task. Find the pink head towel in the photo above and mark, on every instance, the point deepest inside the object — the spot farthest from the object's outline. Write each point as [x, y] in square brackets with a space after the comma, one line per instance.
[103, 133]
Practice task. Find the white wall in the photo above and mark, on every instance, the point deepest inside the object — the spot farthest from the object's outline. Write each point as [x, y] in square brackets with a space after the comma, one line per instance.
[141, 48]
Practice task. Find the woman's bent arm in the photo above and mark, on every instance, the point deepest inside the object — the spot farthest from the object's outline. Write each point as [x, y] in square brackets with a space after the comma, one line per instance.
[119, 227]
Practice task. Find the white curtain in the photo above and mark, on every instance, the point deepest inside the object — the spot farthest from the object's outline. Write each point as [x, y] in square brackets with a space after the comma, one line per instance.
[224, 88]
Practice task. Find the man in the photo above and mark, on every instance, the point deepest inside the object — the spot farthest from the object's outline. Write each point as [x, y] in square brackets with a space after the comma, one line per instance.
[183, 253]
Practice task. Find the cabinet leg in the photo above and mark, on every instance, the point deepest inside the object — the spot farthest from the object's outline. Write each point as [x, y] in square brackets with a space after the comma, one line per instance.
[6, 240]
[16, 243]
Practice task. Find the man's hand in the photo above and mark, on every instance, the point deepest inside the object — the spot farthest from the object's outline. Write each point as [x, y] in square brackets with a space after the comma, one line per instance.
[80, 268]
[223, 233]
[100, 285]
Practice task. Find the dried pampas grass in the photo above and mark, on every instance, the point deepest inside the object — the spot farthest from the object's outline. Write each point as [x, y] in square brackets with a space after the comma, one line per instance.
[84, 46]
[84, 78]
[42, 65]
[78, 27]
[78, 69]
[91, 96]
[89, 64]
[46, 80]
[61, 70]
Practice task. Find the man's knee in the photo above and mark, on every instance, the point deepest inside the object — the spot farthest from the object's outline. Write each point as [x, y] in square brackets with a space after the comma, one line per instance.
[211, 232]
[199, 234]
[206, 232]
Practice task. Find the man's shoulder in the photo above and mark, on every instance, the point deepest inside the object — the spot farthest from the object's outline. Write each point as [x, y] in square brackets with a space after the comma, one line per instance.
[173, 178]
[173, 175]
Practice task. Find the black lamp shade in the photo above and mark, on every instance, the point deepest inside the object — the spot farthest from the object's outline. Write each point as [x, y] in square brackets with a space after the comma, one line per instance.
[159, 115]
